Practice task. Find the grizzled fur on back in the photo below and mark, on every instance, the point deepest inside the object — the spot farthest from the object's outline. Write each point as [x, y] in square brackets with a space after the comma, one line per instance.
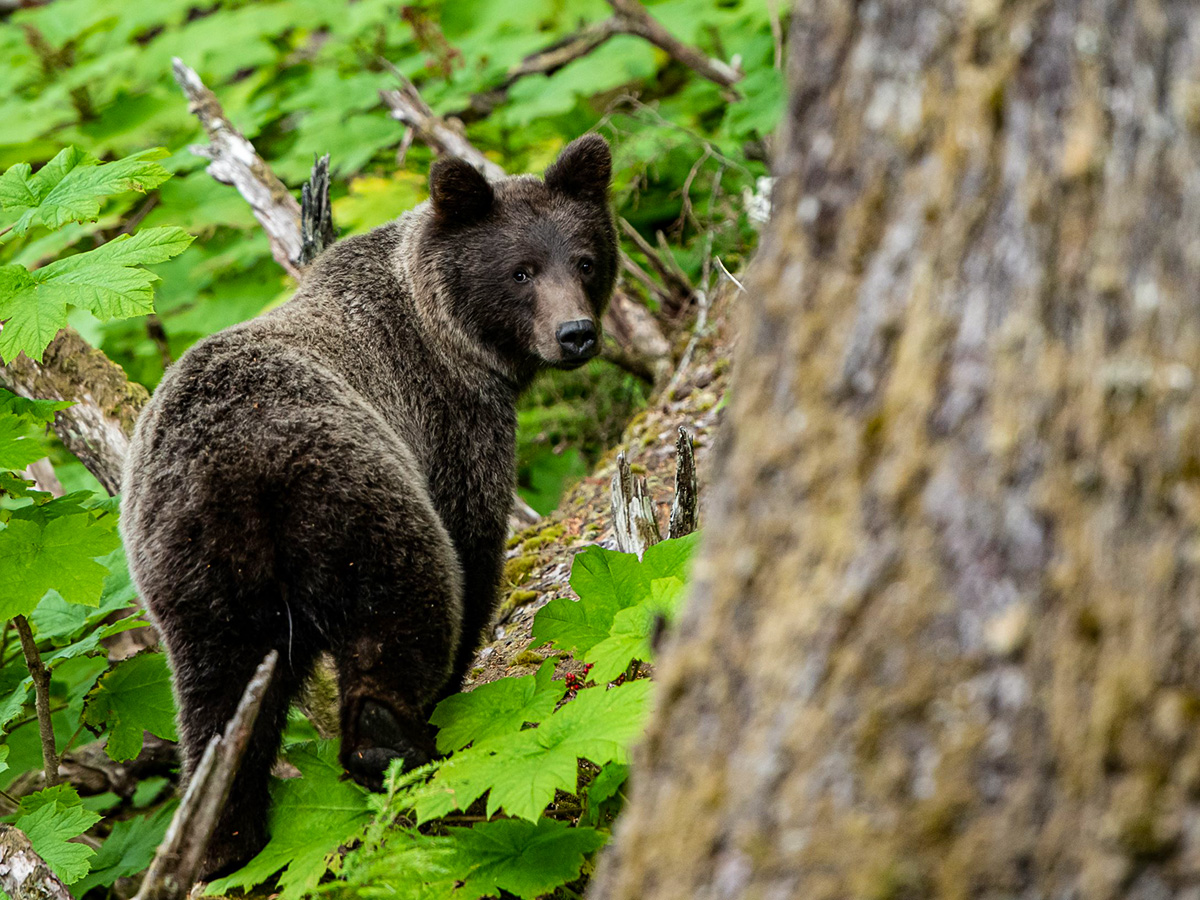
[336, 475]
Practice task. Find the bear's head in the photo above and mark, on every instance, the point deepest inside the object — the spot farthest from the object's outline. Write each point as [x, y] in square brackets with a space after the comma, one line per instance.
[527, 265]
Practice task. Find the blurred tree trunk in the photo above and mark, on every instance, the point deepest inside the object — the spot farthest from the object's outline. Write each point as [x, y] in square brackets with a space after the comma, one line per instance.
[945, 640]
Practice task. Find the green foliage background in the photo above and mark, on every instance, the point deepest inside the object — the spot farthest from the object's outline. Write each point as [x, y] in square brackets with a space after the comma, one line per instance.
[144, 253]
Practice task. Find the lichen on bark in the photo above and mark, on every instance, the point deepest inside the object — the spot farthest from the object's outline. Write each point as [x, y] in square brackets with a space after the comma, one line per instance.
[943, 637]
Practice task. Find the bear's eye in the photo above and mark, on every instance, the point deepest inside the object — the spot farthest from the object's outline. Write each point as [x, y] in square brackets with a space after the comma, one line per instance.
[586, 266]
[520, 276]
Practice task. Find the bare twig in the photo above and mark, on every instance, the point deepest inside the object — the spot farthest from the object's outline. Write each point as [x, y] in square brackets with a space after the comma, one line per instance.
[177, 862]
[235, 162]
[41, 691]
[316, 214]
[635, 526]
[23, 874]
[684, 508]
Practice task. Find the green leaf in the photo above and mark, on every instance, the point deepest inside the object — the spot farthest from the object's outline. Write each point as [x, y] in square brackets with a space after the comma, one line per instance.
[3, 758]
[53, 551]
[107, 281]
[522, 771]
[133, 697]
[128, 850]
[606, 577]
[524, 858]
[59, 622]
[23, 428]
[499, 708]
[70, 187]
[310, 817]
[50, 818]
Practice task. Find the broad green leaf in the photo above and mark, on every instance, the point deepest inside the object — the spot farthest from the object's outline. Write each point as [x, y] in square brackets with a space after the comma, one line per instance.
[3, 757]
[58, 621]
[21, 442]
[495, 709]
[128, 850]
[107, 281]
[528, 859]
[572, 624]
[311, 817]
[133, 697]
[60, 554]
[607, 578]
[70, 187]
[632, 630]
[672, 558]
[50, 818]
[522, 771]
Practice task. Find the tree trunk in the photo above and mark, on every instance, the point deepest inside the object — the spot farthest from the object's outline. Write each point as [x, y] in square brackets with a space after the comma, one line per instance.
[944, 636]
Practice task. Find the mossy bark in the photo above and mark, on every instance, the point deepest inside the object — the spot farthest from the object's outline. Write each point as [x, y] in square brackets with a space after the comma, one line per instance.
[944, 636]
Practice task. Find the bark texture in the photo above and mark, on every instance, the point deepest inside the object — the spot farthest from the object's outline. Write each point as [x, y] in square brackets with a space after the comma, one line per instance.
[943, 641]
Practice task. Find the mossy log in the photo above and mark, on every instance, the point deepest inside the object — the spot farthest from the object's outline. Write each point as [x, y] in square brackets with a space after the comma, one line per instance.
[943, 637]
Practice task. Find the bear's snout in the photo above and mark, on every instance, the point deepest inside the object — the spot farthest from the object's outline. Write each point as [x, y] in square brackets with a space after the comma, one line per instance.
[577, 339]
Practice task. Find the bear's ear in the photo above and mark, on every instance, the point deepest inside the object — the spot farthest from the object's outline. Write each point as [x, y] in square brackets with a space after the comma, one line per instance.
[583, 169]
[460, 193]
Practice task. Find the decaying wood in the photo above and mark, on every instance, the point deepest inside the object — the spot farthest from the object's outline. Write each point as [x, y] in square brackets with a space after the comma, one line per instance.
[685, 508]
[235, 162]
[942, 637]
[97, 428]
[677, 290]
[635, 527]
[179, 856]
[23, 874]
[41, 693]
[316, 213]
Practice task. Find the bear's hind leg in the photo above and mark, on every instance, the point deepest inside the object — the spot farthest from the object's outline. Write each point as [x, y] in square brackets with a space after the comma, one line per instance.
[205, 707]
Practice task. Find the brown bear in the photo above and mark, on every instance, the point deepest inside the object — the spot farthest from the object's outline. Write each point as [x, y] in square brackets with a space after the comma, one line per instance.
[337, 474]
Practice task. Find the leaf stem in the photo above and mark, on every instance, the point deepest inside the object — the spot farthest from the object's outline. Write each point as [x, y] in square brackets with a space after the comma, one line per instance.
[41, 688]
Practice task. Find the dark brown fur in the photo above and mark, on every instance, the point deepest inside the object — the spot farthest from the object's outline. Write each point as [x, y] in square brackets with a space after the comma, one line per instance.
[336, 474]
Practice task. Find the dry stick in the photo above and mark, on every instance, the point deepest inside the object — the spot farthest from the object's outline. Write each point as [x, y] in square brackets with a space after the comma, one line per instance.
[235, 162]
[23, 874]
[679, 289]
[179, 856]
[41, 690]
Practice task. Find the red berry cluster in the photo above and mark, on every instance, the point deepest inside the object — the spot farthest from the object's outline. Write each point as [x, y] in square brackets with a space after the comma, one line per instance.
[575, 682]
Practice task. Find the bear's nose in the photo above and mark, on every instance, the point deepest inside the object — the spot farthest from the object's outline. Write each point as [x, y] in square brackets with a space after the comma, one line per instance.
[577, 338]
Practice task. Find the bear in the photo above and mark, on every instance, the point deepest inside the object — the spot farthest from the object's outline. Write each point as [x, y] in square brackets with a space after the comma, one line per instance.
[336, 475]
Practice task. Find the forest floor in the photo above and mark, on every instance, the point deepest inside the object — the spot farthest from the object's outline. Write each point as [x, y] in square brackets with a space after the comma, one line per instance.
[539, 557]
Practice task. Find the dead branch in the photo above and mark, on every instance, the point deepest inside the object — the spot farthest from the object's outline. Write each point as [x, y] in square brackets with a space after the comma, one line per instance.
[235, 162]
[97, 428]
[316, 214]
[635, 526]
[177, 862]
[41, 691]
[635, 19]
[685, 507]
[630, 17]
[23, 874]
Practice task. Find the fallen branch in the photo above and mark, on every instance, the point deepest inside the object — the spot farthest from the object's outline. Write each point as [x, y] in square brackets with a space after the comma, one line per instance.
[91, 771]
[41, 692]
[678, 291]
[235, 162]
[636, 19]
[23, 874]
[177, 861]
